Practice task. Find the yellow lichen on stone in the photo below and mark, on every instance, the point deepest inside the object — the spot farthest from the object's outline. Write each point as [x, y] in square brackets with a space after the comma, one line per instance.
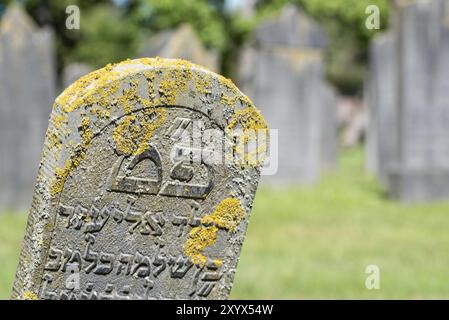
[168, 90]
[227, 100]
[132, 135]
[246, 102]
[53, 140]
[53, 134]
[150, 76]
[226, 216]
[218, 262]
[227, 83]
[247, 119]
[59, 120]
[236, 95]
[159, 63]
[203, 83]
[251, 130]
[83, 92]
[182, 77]
[172, 84]
[99, 91]
[199, 239]
[29, 295]
[98, 86]
[61, 174]
[133, 132]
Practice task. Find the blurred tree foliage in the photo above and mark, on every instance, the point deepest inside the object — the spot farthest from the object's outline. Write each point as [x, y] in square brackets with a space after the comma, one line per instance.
[111, 30]
[218, 29]
[105, 35]
[205, 17]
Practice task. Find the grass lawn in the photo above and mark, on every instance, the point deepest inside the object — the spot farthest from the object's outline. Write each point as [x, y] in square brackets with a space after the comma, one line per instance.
[306, 243]
[12, 229]
[315, 242]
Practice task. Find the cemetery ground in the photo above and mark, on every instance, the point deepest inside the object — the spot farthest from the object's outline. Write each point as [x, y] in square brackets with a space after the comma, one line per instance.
[315, 242]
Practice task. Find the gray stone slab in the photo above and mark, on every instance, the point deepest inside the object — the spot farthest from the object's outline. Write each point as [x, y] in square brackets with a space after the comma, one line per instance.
[382, 102]
[329, 143]
[413, 186]
[441, 102]
[417, 47]
[287, 90]
[126, 205]
[27, 89]
[290, 28]
[409, 92]
[283, 73]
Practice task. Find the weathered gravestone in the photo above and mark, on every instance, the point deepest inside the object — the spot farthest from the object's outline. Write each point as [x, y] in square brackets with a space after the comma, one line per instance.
[409, 101]
[283, 72]
[180, 43]
[27, 88]
[421, 171]
[381, 99]
[124, 208]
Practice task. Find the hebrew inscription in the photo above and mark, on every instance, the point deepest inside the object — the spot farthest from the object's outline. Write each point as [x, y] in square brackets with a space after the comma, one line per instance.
[133, 201]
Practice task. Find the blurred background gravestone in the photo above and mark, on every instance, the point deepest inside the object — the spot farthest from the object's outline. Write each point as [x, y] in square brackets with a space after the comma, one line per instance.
[329, 143]
[409, 101]
[180, 43]
[381, 100]
[282, 71]
[73, 72]
[27, 89]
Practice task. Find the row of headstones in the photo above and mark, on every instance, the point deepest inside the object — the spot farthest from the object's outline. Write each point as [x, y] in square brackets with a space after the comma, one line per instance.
[282, 71]
[408, 100]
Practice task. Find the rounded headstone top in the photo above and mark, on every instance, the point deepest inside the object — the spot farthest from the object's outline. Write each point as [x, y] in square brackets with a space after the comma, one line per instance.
[110, 94]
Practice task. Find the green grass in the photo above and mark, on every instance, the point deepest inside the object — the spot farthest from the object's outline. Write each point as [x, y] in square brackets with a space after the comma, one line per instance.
[315, 242]
[12, 229]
